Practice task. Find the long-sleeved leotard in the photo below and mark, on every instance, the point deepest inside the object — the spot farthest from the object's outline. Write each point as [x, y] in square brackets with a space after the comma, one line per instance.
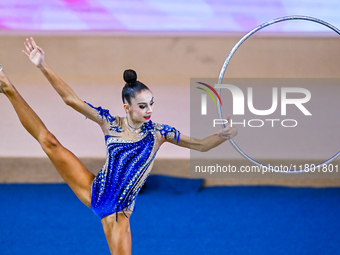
[129, 161]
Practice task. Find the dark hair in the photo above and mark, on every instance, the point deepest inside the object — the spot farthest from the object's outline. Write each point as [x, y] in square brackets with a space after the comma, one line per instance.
[132, 86]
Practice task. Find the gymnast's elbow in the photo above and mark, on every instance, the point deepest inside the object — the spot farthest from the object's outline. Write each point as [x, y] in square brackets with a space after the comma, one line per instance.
[73, 102]
[68, 101]
[203, 148]
[198, 145]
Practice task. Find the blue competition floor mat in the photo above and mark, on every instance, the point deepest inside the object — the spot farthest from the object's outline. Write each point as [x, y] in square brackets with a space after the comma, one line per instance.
[49, 219]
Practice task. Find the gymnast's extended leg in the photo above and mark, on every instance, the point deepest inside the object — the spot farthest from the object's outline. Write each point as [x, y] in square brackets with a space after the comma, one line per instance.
[68, 165]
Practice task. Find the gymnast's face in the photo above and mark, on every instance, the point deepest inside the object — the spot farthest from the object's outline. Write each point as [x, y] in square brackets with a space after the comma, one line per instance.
[141, 106]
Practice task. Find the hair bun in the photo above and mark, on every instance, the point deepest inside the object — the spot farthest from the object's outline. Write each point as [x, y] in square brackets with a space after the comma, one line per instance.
[130, 76]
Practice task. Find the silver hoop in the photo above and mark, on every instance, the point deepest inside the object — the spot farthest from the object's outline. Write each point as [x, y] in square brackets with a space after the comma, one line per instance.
[219, 109]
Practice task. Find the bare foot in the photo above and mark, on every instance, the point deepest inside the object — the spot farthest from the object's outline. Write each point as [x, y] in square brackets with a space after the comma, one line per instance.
[4, 81]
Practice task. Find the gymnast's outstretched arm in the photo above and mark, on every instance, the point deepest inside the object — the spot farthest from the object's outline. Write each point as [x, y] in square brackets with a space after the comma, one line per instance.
[37, 57]
[207, 143]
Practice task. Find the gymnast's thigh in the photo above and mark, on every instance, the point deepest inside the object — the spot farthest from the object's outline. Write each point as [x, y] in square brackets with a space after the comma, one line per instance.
[72, 170]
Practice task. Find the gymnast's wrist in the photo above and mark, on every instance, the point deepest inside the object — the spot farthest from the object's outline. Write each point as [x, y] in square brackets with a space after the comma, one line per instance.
[42, 66]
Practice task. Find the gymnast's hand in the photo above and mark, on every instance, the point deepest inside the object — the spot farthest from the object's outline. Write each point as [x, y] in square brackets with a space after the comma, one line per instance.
[227, 132]
[34, 52]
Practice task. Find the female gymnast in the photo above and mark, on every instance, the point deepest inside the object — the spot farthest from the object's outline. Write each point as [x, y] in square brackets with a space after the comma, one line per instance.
[131, 141]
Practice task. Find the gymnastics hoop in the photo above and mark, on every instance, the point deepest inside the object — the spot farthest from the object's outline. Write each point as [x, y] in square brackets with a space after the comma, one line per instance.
[219, 109]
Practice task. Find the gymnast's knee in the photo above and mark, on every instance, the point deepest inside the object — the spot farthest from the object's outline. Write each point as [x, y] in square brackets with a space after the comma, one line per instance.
[48, 141]
[121, 226]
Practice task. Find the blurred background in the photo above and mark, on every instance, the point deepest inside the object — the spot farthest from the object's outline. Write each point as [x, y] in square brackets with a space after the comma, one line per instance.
[161, 15]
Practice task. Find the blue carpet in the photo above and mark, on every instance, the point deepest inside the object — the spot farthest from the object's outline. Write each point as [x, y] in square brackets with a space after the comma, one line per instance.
[49, 219]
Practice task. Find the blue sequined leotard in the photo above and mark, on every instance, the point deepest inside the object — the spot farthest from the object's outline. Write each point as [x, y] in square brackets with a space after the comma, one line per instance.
[129, 161]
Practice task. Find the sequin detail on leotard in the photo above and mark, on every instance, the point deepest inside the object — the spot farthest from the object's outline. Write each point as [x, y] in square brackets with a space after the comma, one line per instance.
[116, 186]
